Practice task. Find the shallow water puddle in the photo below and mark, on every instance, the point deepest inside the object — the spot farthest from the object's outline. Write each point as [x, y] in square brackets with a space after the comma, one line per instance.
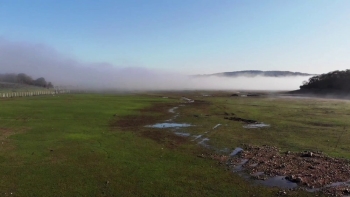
[236, 151]
[188, 100]
[225, 150]
[277, 181]
[172, 110]
[216, 126]
[347, 183]
[239, 166]
[182, 134]
[169, 125]
[337, 184]
[254, 165]
[257, 174]
[256, 126]
[202, 142]
[196, 137]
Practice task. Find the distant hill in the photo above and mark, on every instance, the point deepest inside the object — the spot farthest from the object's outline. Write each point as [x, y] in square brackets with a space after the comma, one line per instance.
[255, 73]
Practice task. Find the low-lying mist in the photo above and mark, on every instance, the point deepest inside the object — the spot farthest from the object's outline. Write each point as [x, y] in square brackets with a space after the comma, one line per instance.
[39, 60]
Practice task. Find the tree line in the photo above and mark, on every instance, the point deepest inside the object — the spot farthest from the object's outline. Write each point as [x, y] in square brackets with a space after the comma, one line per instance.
[25, 79]
[336, 80]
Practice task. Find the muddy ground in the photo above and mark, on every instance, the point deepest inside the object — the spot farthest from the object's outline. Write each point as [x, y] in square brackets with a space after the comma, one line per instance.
[149, 116]
[144, 117]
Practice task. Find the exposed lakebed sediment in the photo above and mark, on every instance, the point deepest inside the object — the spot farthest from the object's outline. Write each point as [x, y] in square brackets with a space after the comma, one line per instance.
[251, 124]
[312, 171]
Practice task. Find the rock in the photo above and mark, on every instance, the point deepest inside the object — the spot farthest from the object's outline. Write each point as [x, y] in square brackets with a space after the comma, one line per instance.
[307, 154]
[201, 156]
[294, 179]
[298, 180]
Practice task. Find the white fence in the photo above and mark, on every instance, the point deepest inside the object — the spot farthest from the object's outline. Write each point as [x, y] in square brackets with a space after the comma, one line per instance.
[32, 93]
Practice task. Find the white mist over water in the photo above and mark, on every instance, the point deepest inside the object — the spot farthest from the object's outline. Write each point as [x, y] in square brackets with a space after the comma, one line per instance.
[43, 61]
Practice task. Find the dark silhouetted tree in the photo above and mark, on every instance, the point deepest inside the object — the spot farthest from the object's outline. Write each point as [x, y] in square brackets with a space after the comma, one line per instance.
[10, 78]
[25, 79]
[49, 85]
[40, 82]
[336, 80]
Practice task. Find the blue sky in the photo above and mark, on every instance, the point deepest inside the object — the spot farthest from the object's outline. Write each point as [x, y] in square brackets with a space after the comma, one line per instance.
[188, 36]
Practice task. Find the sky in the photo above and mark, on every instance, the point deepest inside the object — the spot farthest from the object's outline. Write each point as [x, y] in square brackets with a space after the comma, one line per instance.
[188, 36]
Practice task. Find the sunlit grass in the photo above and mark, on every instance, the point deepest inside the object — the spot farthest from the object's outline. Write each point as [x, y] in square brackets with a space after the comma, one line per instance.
[63, 146]
[295, 124]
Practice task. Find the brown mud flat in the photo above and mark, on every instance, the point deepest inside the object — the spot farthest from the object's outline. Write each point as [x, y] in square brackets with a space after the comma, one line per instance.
[232, 116]
[200, 102]
[5, 143]
[5, 132]
[169, 139]
[149, 116]
[241, 120]
[313, 171]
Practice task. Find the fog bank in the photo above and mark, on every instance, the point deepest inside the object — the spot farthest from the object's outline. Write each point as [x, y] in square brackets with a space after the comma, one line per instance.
[39, 60]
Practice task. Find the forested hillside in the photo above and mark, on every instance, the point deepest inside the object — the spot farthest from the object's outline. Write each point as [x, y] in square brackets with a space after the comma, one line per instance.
[336, 80]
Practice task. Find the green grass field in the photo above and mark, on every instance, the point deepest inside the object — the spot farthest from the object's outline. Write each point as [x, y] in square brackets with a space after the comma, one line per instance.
[296, 124]
[65, 145]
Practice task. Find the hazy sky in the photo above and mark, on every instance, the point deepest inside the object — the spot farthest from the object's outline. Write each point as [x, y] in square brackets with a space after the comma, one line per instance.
[188, 36]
